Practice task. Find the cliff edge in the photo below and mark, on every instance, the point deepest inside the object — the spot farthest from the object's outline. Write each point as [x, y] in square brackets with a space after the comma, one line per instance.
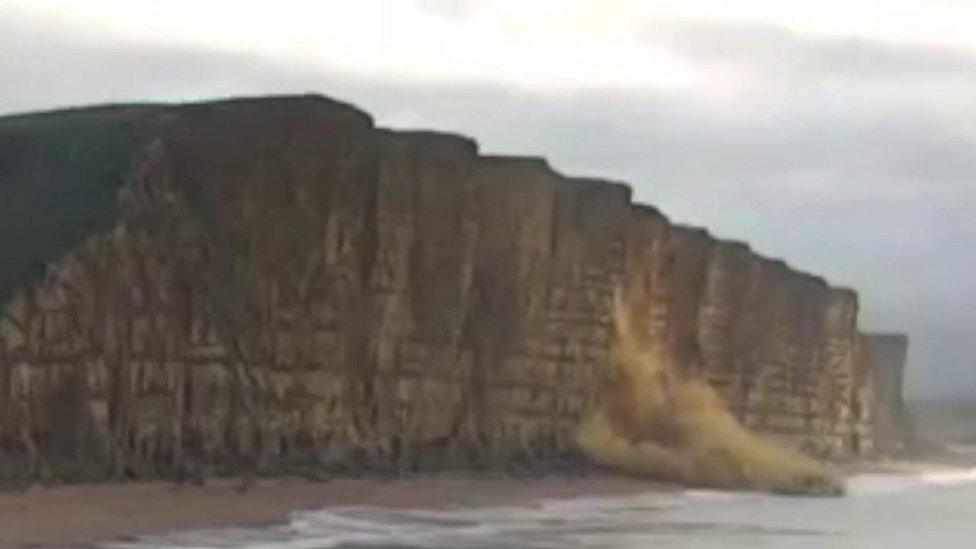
[276, 283]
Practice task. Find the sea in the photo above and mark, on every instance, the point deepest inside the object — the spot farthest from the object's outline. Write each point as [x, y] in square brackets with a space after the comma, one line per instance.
[925, 510]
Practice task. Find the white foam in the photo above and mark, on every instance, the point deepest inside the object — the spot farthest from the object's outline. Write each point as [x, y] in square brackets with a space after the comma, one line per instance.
[963, 449]
[887, 483]
[950, 477]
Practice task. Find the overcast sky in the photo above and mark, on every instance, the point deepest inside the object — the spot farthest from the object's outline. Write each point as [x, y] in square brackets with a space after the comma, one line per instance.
[837, 134]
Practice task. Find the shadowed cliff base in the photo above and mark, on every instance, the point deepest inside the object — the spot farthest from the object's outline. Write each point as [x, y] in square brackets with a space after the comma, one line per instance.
[659, 424]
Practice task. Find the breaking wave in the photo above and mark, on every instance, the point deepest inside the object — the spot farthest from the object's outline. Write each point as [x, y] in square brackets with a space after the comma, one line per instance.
[888, 483]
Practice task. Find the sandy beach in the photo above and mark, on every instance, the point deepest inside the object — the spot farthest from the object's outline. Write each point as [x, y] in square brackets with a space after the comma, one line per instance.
[81, 515]
[84, 515]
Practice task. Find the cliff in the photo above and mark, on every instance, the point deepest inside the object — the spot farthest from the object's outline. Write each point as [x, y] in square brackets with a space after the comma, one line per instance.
[277, 281]
[882, 360]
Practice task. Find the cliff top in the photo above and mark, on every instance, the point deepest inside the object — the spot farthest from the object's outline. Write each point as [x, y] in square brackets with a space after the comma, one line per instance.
[289, 101]
[61, 170]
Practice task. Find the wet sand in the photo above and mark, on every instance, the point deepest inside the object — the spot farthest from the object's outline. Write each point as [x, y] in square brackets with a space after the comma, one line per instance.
[81, 515]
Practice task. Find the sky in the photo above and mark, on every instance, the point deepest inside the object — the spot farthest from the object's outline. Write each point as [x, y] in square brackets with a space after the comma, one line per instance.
[837, 134]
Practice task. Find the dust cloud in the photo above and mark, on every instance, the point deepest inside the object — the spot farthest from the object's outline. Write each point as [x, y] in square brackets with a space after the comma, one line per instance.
[656, 422]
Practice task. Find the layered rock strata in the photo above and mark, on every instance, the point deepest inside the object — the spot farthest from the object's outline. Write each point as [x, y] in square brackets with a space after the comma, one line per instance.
[278, 280]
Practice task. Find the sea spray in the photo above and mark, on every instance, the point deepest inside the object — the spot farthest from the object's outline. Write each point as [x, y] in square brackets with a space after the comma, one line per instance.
[660, 423]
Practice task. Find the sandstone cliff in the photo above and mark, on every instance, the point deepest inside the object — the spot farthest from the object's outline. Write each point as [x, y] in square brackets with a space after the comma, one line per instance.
[279, 280]
[882, 363]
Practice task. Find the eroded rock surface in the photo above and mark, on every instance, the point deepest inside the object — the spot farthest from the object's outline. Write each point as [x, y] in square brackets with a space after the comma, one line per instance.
[282, 283]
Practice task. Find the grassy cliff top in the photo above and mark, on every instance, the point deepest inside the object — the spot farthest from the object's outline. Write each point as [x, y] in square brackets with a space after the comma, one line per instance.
[60, 174]
[61, 171]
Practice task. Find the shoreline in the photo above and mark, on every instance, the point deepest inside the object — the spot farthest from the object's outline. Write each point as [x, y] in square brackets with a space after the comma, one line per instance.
[86, 515]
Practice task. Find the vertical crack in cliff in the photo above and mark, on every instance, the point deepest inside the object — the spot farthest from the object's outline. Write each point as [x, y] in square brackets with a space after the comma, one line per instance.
[659, 423]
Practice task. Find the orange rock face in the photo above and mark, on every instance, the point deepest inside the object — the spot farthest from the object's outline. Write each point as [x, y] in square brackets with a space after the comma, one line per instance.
[284, 284]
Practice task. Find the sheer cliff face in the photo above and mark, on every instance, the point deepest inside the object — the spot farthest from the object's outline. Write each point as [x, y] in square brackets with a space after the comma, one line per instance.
[288, 283]
[881, 362]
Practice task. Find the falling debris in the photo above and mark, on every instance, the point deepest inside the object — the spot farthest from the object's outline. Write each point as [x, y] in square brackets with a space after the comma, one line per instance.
[657, 422]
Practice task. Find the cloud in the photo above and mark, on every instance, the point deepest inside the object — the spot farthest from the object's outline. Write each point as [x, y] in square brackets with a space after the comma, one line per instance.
[448, 8]
[775, 51]
[847, 158]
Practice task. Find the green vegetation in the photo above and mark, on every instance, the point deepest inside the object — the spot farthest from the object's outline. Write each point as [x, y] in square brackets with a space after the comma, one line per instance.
[60, 174]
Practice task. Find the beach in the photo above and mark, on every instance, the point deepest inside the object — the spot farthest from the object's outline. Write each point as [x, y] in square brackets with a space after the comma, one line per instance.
[82, 515]
[900, 510]
[465, 510]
